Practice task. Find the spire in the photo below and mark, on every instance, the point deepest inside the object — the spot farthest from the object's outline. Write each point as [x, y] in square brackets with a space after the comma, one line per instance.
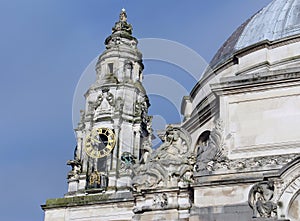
[122, 25]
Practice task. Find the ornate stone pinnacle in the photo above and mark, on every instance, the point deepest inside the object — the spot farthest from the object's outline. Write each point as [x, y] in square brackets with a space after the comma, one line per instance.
[122, 24]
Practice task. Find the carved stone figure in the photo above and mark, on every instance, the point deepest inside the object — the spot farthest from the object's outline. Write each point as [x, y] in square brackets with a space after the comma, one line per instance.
[261, 200]
[171, 148]
[211, 151]
[141, 109]
[99, 100]
[76, 169]
[110, 99]
[167, 165]
[138, 108]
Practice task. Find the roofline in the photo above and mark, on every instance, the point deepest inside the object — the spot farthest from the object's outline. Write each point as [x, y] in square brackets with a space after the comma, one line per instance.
[234, 58]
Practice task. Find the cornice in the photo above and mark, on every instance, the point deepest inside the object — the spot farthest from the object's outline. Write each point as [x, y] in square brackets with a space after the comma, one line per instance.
[257, 81]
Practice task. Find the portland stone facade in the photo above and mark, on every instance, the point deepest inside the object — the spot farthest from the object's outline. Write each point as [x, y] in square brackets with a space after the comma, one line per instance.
[236, 155]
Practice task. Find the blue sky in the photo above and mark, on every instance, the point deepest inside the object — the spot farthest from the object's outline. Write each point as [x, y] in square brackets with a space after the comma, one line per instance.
[44, 48]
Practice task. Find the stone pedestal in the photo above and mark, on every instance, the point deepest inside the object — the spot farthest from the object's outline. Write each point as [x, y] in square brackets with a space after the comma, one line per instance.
[73, 185]
[82, 182]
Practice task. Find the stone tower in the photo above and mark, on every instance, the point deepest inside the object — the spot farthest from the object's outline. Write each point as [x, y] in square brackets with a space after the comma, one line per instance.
[115, 122]
[235, 157]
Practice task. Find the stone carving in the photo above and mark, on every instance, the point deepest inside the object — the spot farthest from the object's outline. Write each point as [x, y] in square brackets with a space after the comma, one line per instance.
[138, 109]
[211, 156]
[76, 169]
[110, 99]
[105, 101]
[115, 40]
[122, 34]
[107, 95]
[255, 163]
[122, 24]
[99, 100]
[141, 108]
[169, 165]
[240, 165]
[261, 198]
[160, 200]
[212, 151]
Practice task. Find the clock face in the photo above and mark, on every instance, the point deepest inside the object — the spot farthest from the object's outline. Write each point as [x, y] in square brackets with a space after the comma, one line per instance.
[99, 142]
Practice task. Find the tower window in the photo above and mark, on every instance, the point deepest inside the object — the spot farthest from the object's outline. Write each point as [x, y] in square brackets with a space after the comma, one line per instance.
[110, 67]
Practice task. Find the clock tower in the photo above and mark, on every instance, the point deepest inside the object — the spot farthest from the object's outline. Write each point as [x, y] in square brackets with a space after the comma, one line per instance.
[115, 124]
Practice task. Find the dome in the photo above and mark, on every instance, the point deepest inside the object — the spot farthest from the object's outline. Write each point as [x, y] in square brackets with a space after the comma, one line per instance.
[279, 19]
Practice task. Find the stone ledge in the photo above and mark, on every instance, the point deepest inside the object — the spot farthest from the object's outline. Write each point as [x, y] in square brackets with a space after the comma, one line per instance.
[86, 200]
[268, 219]
[260, 81]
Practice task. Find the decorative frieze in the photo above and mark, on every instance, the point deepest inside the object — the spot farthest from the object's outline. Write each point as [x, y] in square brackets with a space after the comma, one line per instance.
[254, 164]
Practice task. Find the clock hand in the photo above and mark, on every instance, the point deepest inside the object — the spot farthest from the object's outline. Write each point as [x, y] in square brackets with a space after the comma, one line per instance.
[95, 140]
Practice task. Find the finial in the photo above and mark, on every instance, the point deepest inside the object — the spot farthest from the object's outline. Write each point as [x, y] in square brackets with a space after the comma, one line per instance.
[122, 24]
[123, 15]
